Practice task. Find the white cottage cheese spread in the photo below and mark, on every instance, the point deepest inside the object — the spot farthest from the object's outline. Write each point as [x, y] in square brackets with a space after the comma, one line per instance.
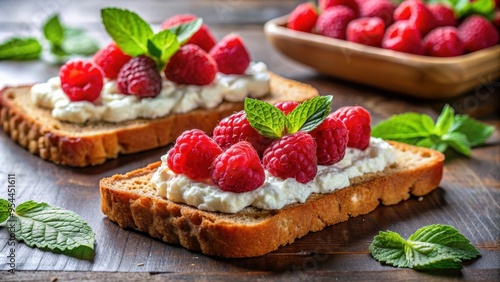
[173, 98]
[275, 193]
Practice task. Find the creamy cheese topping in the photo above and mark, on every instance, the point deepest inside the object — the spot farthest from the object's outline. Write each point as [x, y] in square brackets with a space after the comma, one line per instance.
[275, 193]
[115, 107]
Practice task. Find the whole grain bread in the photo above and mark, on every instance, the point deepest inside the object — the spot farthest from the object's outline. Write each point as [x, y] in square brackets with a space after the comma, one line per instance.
[80, 145]
[130, 200]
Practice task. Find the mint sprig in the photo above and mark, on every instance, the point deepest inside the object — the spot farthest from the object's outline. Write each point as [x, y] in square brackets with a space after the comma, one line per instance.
[460, 132]
[135, 36]
[65, 41]
[62, 41]
[431, 247]
[50, 228]
[269, 121]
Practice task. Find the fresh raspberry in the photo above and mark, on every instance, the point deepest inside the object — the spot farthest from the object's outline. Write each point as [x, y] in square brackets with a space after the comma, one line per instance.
[238, 169]
[417, 14]
[139, 77]
[357, 120]
[367, 31]
[303, 17]
[286, 107]
[331, 139]
[327, 4]
[193, 154]
[402, 36]
[231, 55]
[203, 37]
[333, 22]
[383, 9]
[292, 156]
[443, 42]
[81, 80]
[191, 65]
[443, 15]
[477, 33]
[111, 59]
[235, 128]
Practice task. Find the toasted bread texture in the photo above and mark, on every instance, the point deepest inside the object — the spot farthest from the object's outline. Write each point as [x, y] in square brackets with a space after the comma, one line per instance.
[80, 145]
[131, 201]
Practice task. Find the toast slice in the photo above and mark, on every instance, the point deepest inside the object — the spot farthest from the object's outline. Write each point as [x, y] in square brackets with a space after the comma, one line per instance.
[80, 145]
[131, 201]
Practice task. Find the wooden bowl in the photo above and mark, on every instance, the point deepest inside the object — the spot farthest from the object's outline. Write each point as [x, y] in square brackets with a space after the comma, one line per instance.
[420, 76]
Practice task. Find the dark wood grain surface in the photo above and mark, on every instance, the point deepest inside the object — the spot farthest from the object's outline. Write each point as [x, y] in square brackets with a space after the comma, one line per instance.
[468, 197]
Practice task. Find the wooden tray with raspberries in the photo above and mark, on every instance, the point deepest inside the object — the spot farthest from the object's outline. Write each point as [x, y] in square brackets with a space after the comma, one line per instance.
[234, 160]
[419, 48]
[181, 57]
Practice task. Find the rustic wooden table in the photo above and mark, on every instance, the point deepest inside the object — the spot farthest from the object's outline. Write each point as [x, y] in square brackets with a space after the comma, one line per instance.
[468, 197]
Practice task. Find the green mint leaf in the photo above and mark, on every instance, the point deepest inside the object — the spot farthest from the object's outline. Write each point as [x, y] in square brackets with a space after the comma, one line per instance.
[51, 228]
[78, 41]
[20, 49]
[53, 30]
[444, 121]
[185, 31]
[440, 146]
[166, 43]
[404, 127]
[448, 238]
[425, 142]
[4, 210]
[153, 51]
[424, 255]
[431, 247]
[309, 114]
[457, 141]
[128, 30]
[265, 118]
[475, 131]
[388, 247]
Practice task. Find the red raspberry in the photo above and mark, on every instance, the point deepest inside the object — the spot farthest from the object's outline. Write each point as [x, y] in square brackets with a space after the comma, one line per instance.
[111, 59]
[292, 156]
[286, 107]
[477, 33]
[417, 14]
[193, 154]
[402, 36]
[191, 65]
[303, 17]
[326, 4]
[383, 9]
[139, 77]
[367, 31]
[81, 80]
[333, 22]
[235, 128]
[203, 37]
[331, 139]
[443, 15]
[443, 42]
[238, 169]
[231, 55]
[357, 120]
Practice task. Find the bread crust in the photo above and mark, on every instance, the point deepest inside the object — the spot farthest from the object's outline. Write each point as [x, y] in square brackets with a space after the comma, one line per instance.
[130, 201]
[93, 143]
